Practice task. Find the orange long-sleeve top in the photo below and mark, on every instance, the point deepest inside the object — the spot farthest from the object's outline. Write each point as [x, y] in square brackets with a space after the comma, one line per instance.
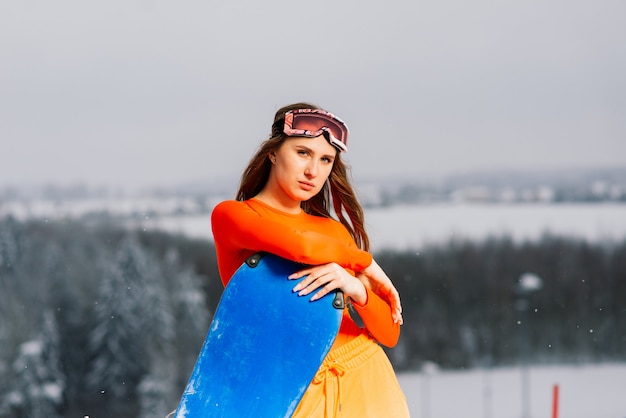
[241, 229]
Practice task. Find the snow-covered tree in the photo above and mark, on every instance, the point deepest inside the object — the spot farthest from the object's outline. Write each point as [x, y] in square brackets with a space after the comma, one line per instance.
[51, 346]
[156, 392]
[69, 292]
[4, 370]
[191, 307]
[191, 313]
[132, 320]
[157, 310]
[39, 384]
[116, 340]
[9, 244]
[14, 289]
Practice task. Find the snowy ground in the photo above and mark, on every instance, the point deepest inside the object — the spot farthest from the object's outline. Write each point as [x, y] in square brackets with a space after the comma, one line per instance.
[402, 227]
[396, 227]
[414, 226]
[586, 391]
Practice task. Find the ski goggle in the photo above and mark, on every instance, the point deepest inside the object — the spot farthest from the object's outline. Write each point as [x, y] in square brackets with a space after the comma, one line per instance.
[314, 122]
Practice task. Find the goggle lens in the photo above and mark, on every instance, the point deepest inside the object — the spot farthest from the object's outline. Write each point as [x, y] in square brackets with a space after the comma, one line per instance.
[313, 122]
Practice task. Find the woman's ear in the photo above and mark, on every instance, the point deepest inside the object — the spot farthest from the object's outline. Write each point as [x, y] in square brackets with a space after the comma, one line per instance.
[272, 156]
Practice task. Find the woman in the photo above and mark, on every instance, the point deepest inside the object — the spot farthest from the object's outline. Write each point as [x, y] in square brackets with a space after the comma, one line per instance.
[283, 207]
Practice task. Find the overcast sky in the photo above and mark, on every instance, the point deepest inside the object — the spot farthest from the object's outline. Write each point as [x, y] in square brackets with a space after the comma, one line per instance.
[138, 93]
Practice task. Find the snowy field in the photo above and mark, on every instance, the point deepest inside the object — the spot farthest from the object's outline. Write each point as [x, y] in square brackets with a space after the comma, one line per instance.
[414, 226]
[586, 391]
[402, 227]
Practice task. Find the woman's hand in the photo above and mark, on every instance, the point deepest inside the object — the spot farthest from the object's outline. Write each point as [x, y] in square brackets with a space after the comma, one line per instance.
[326, 278]
[376, 279]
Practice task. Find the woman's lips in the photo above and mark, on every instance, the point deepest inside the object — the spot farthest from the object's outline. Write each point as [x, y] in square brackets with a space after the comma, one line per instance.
[306, 185]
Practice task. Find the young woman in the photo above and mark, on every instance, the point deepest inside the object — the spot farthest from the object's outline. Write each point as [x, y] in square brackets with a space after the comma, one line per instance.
[283, 207]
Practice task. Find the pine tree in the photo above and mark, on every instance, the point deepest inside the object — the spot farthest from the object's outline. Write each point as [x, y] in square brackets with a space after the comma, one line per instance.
[133, 321]
[4, 369]
[59, 270]
[157, 310]
[39, 383]
[156, 392]
[191, 313]
[9, 245]
[117, 338]
[9, 256]
[15, 289]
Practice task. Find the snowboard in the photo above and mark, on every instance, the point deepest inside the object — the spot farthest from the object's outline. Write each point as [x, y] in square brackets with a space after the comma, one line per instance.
[264, 345]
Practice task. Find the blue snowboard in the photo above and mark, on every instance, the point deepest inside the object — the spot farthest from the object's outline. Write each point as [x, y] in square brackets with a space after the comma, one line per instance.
[264, 346]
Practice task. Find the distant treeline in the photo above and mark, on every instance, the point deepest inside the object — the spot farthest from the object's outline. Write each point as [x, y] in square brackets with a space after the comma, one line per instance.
[555, 186]
[101, 321]
[463, 305]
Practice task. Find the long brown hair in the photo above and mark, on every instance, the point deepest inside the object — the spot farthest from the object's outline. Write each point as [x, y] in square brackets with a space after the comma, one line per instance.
[337, 193]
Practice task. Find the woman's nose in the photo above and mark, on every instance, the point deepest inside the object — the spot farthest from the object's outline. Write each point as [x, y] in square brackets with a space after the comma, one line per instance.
[312, 169]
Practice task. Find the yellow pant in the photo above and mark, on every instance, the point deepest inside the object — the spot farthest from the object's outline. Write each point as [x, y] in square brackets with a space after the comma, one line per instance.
[355, 380]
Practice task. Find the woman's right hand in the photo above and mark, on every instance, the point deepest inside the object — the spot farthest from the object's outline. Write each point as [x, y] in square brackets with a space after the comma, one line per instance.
[325, 278]
[377, 280]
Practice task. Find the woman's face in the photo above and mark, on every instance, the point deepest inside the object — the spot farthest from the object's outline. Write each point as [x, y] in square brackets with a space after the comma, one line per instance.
[300, 167]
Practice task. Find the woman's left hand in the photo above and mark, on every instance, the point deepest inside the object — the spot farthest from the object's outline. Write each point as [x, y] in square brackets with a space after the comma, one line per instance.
[328, 277]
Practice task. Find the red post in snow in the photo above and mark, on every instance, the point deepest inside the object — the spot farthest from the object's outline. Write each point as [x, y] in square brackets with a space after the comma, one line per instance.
[555, 401]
